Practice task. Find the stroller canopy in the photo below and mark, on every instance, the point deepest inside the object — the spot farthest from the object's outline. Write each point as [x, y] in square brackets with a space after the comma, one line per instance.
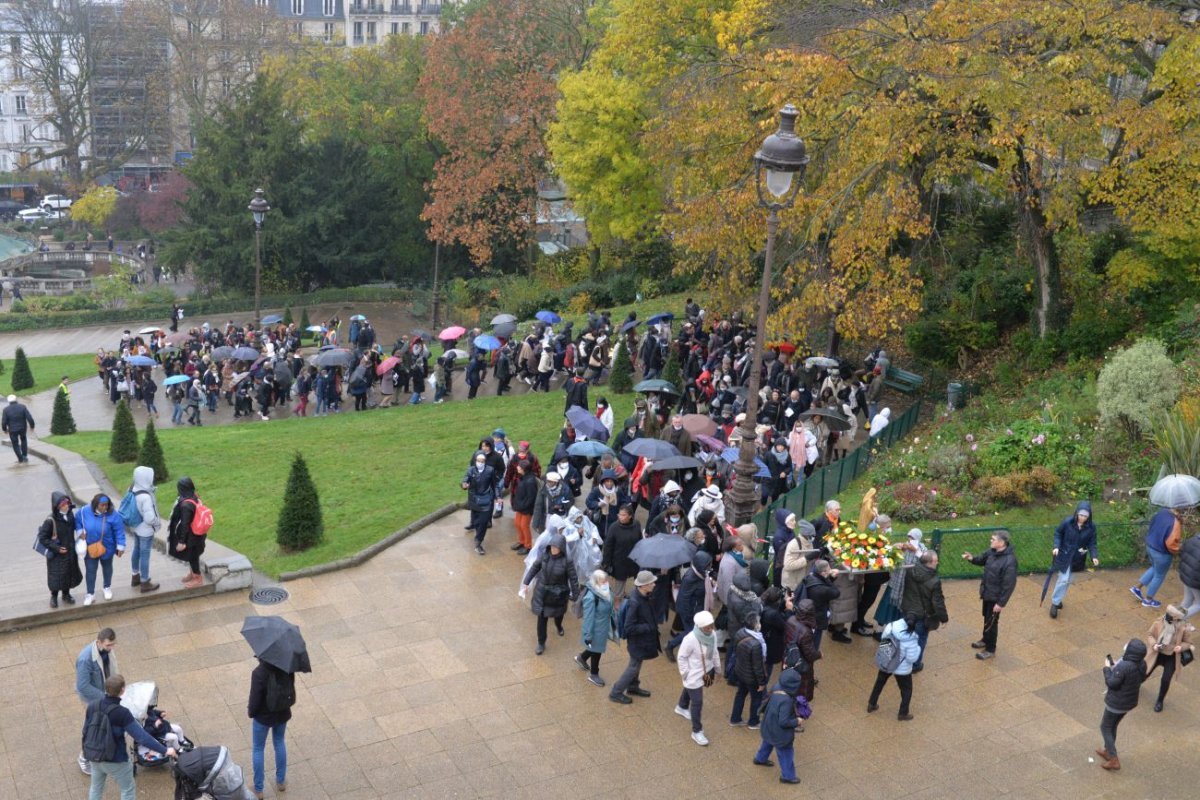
[211, 770]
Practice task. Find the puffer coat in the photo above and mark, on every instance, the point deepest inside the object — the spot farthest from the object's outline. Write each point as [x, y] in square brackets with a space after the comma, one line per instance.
[555, 575]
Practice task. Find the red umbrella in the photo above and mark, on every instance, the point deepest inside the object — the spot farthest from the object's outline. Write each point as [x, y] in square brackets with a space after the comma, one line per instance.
[713, 444]
[386, 364]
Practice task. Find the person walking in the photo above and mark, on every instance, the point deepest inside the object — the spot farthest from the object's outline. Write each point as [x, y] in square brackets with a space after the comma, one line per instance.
[480, 485]
[999, 564]
[923, 598]
[641, 633]
[143, 541]
[694, 596]
[1170, 637]
[182, 542]
[57, 538]
[95, 663]
[103, 533]
[619, 542]
[800, 645]
[1189, 576]
[1166, 524]
[272, 695]
[597, 624]
[750, 671]
[524, 500]
[121, 722]
[16, 421]
[903, 632]
[779, 723]
[556, 587]
[698, 664]
[1124, 681]
[1074, 540]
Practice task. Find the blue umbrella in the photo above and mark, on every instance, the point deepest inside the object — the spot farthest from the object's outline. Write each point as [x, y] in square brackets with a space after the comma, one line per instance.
[485, 341]
[140, 361]
[316, 329]
[548, 317]
[272, 319]
[174, 379]
[657, 318]
[586, 423]
[589, 449]
[730, 454]
[244, 354]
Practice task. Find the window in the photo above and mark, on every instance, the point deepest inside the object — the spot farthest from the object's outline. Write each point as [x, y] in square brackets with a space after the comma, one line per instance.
[262, 3]
[327, 7]
[18, 70]
[226, 86]
[298, 7]
[405, 28]
[21, 104]
[14, 45]
[358, 28]
[424, 28]
[395, 28]
[330, 31]
[370, 31]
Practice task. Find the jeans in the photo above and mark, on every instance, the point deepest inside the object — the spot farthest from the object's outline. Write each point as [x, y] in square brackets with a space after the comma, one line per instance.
[903, 681]
[1108, 729]
[1153, 578]
[177, 414]
[121, 772]
[259, 745]
[1191, 601]
[739, 702]
[1060, 587]
[693, 699]
[991, 626]
[142, 545]
[90, 572]
[922, 639]
[415, 399]
[630, 678]
[151, 408]
[786, 755]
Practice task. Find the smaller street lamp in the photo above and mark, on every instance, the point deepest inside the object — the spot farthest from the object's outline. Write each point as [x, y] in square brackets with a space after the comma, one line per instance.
[258, 208]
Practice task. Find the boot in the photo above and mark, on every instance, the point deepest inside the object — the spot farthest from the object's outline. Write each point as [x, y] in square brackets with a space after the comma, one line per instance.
[1103, 753]
[137, 580]
[1113, 764]
[149, 586]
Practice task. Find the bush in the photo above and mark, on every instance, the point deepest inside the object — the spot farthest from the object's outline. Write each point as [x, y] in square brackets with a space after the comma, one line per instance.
[287, 316]
[63, 422]
[1137, 387]
[300, 524]
[152, 454]
[672, 371]
[304, 323]
[1018, 488]
[22, 376]
[123, 448]
[620, 380]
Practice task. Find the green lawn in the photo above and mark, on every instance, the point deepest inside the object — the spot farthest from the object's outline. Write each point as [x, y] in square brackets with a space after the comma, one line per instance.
[49, 370]
[376, 471]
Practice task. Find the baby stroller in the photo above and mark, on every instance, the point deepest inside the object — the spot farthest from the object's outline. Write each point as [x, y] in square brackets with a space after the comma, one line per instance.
[209, 773]
[141, 699]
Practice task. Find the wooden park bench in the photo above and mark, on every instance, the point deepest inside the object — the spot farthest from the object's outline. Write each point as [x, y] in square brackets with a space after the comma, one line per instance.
[903, 381]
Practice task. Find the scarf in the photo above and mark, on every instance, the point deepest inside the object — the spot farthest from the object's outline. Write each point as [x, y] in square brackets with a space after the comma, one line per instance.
[738, 557]
[603, 592]
[781, 456]
[1167, 637]
[761, 641]
[708, 641]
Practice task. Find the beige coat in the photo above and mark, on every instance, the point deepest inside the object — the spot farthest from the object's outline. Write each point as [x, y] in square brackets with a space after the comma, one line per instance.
[1182, 638]
[795, 562]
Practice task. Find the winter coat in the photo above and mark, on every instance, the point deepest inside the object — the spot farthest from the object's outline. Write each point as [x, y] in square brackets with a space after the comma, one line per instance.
[603, 515]
[16, 418]
[90, 672]
[795, 562]
[619, 541]
[750, 666]
[923, 596]
[1189, 562]
[694, 660]
[909, 643]
[1069, 539]
[742, 602]
[779, 542]
[256, 706]
[729, 569]
[179, 528]
[801, 631]
[481, 488]
[844, 607]
[107, 528]
[774, 630]
[999, 574]
[1161, 526]
[597, 620]
[779, 718]
[557, 583]
[143, 495]
[758, 569]
[822, 592]
[681, 439]
[524, 498]
[641, 631]
[57, 530]
[1181, 639]
[690, 600]
[1124, 679]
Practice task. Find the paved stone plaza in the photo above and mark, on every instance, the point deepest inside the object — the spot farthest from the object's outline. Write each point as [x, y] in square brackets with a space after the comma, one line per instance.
[425, 684]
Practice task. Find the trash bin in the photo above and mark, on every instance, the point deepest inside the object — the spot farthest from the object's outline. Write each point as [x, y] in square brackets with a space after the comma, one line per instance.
[956, 395]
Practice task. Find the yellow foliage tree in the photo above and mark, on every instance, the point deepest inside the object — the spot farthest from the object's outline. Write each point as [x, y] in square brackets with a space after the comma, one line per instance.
[95, 207]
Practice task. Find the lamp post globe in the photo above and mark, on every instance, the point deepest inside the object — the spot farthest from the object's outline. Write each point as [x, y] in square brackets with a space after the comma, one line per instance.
[258, 209]
[779, 168]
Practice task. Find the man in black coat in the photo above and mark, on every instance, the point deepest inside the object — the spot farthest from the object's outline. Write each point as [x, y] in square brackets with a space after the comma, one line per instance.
[690, 599]
[999, 564]
[923, 597]
[819, 588]
[619, 541]
[576, 388]
[16, 422]
[641, 635]
[480, 485]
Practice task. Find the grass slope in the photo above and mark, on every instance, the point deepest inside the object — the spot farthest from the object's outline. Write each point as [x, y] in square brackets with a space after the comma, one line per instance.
[376, 471]
[49, 370]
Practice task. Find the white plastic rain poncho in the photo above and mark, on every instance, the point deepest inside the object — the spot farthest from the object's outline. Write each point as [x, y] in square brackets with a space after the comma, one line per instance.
[583, 542]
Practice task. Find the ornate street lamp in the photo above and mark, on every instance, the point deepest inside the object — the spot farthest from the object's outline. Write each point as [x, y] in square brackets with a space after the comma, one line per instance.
[258, 208]
[778, 171]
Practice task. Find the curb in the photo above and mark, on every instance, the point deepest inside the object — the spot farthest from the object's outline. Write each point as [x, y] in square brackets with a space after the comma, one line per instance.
[369, 552]
[80, 611]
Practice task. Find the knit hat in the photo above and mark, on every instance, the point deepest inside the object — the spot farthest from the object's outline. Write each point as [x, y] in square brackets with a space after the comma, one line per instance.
[703, 619]
[644, 578]
[12, 398]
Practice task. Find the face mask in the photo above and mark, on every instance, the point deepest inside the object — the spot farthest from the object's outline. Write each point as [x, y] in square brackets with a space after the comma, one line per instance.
[563, 467]
[479, 462]
[677, 426]
[674, 519]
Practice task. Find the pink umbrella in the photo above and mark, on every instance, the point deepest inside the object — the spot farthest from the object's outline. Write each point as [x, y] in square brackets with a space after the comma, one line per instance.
[452, 333]
[713, 444]
[386, 364]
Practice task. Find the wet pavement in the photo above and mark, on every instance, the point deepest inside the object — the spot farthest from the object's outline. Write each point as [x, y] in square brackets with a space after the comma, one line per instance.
[425, 684]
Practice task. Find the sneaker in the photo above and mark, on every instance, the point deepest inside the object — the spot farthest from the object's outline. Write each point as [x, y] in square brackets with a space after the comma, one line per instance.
[541, 648]
[88, 599]
[979, 645]
[1137, 592]
[683, 712]
[753, 726]
[596, 680]
[699, 738]
[620, 698]
[479, 549]
[107, 593]
[1151, 603]
[582, 664]
[732, 724]
[985, 655]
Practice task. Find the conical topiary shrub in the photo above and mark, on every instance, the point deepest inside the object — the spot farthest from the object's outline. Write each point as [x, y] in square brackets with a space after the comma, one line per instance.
[304, 323]
[287, 316]
[63, 422]
[22, 377]
[672, 371]
[300, 525]
[124, 446]
[152, 454]
[620, 380]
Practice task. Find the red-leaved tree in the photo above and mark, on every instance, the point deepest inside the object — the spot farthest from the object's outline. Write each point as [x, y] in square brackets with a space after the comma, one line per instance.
[163, 208]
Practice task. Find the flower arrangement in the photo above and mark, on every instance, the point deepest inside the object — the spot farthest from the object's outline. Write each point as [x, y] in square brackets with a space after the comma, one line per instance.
[860, 550]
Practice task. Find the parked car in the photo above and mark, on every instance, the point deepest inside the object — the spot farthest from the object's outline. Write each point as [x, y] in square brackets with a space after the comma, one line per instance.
[10, 208]
[56, 202]
[40, 215]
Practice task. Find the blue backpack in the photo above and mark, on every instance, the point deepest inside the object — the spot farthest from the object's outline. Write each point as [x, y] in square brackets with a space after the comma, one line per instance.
[129, 511]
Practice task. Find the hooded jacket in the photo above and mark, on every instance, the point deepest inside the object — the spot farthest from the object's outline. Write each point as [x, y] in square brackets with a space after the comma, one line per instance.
[557, 583]
[923, 596]
[1070, 538]
[1124, 679]
[741, 602]
[779, 541]
[107, 528]
[1189, 563]
[58, 530]
[822, 592]
[143, 495]
[693, 587]
[1161, 526]
[703, 502]
[801, 632]
[179, 528]
[779, 719]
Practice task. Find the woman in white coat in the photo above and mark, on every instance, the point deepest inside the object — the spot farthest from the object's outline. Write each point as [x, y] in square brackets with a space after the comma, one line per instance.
[698, 662]
[904, 632]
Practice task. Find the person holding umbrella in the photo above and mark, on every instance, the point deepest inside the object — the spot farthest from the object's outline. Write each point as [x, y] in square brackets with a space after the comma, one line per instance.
[1074, 538]
[281, 653]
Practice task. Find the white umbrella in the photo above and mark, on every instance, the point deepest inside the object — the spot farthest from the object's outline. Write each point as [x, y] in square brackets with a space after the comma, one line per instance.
[1176, 491]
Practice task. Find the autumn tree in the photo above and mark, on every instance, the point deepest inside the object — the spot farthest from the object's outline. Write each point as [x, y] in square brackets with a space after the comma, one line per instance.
[95, 207]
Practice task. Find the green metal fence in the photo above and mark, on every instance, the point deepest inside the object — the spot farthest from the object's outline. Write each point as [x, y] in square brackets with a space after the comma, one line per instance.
[810, 495]
[1119, 544]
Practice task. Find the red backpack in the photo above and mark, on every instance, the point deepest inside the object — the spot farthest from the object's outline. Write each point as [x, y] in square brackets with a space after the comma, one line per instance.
[202, 518]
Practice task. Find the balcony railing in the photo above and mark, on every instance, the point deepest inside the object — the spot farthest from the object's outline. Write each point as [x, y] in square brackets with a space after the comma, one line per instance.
[429, 8]
[367, 8]
[402, 8]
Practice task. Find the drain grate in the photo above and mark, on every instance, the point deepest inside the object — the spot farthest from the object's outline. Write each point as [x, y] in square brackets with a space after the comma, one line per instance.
[268, 595]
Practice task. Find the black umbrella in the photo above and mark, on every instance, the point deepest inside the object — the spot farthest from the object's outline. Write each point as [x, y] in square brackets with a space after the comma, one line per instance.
[425, 335]
[662, 551]
[244, 353]
[277, 642]
[222, 353]
[332, 358]
[675, 462]
[587, 424]
[832, 418]
[628, 326]
[651, 448]
[656, 385]
[504, 330]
